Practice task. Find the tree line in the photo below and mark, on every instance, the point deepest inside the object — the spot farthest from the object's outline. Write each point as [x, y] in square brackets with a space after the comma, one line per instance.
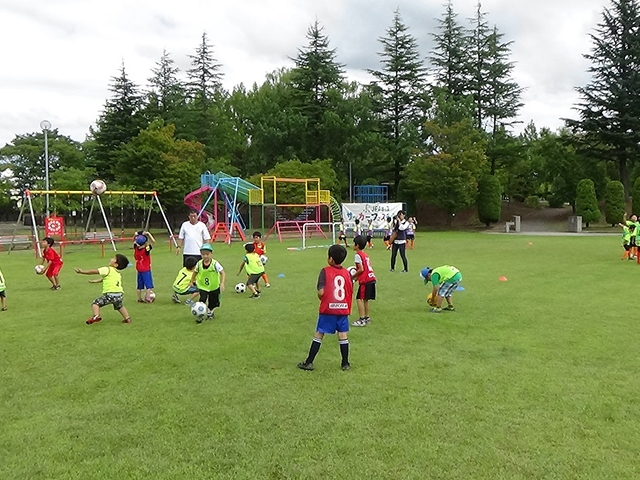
[432, 128]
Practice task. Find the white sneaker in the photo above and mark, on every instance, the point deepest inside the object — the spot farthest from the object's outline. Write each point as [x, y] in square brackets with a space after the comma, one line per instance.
[175, 298]
[267, 285]
[188, 302]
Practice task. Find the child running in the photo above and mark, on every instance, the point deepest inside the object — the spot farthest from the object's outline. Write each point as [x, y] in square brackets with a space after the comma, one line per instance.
[209, 278]
[252, 264]
[335, 289]
[54, 262]
[628, 240]
[366, 282]
[182, 284]
[112, 291]
[261, 249]
[3, 292]
[142, 246]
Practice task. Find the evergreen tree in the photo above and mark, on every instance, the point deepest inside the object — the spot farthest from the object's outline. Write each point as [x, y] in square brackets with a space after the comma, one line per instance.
[489, 199]
[399, 95]
[119, 122]
[635, 197]
[204, 76]
[614, 202]
[609, 106]
[586, 202]
[166, 96]
[450, 56]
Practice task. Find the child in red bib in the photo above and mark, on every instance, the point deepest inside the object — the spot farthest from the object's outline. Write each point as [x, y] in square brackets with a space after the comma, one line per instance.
[335, 291]
[54, 264]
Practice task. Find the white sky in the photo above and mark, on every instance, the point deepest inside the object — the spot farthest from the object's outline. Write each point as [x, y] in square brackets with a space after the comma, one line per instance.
[57, 56]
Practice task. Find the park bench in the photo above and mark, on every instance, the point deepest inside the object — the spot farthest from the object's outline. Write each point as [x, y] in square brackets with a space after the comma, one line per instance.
[96, 236]
[19, 241]
[513, 224]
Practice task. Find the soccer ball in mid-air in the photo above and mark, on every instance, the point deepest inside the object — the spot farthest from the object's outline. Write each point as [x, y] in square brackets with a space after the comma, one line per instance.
[39, 269]
[264, 259]
[98, 187]
[199, 310]
[241, 288]
[352, 271]
[150, 297]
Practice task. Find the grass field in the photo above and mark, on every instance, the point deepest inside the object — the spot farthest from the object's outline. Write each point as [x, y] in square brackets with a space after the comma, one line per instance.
[531, 378]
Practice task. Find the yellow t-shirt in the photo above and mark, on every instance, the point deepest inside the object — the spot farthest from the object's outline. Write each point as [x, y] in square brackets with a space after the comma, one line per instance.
[111, 280]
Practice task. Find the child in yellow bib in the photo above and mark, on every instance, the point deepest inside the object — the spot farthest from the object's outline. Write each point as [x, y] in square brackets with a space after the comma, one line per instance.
[209, 278]
[112, 291]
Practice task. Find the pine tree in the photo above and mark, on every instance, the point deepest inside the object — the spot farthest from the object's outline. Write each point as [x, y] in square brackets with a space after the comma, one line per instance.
[166, 95]
[399, 94]
[119, 122]
[614, 202]
[586, 201]
[489, 199]
[609, 107]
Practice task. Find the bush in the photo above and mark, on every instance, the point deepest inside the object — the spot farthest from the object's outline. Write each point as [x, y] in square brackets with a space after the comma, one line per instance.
[370, 181]
[532, 201]
[635, 196]
[586, 201]
[555, 201]
[614, 202]
[489, 201]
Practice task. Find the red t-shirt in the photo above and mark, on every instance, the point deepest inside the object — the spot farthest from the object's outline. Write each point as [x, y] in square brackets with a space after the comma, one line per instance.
[367, 274]
[143, 258]
[260, 247]
[50, 255]
[338, 291]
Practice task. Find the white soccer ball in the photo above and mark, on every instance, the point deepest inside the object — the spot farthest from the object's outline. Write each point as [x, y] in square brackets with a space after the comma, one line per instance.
[39, 269]
[352, 271]
[241, 288]
[199, 310]
[264, 259]
[98, 187]
[150, 297]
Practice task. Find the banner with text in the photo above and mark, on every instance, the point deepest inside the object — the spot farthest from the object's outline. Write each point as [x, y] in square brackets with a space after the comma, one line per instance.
[377, 212]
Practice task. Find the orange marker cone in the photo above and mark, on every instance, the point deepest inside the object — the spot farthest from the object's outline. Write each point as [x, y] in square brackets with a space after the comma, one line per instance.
[503, 278]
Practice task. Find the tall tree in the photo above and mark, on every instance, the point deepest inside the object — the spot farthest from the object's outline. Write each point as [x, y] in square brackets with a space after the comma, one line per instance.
[398, 93]
[450, 55]
[120, 121]
[609, 106]
[317, 80]
[166, 95]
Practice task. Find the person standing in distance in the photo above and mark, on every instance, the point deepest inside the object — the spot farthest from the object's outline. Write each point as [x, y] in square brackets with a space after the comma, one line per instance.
[399, 241]
[193, 234]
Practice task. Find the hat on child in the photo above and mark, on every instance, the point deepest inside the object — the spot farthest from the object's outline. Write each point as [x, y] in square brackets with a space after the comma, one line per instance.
[141, 240]
[424, 273]
[206, 247]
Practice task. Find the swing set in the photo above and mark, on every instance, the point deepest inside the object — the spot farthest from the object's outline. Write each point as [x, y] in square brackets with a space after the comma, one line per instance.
[54, 224]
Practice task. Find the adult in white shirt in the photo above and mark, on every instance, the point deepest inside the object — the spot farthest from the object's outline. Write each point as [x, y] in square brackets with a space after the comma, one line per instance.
[193, 234]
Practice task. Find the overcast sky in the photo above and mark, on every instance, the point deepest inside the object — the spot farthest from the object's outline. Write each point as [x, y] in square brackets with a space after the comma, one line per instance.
[57, 56]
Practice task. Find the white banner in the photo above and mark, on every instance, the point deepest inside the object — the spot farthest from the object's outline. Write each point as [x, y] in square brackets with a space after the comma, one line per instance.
[377, 212]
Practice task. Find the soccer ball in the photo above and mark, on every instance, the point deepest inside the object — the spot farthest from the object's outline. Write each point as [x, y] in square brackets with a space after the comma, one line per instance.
[199, 310]
[352, 271]
[430, 300]
[241, 288]
[98, 187]
[150, 296]
[264, 259]
[39, 269]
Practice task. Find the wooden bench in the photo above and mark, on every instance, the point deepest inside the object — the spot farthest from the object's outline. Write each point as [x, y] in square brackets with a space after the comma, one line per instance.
[19, 241]
[514, 223]
[97, 236]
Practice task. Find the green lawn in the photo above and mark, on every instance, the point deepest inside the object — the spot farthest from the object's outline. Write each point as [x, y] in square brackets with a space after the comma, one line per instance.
[535, 377]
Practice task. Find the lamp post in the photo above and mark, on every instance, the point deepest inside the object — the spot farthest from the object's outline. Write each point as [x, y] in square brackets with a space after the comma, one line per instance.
[46, 126]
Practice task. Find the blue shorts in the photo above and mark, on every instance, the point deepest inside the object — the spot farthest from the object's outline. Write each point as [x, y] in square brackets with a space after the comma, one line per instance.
[332, 323]
[145, 280]
[188, 291]
[446, 289]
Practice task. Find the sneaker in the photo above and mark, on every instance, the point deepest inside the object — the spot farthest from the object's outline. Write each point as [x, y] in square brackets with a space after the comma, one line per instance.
[359, 323]
[175, 298]
[346, 366]
[405, 271]
[267, 285]
[255, 295]
[93, 320]
[188, 302]
[127, 320]
[435, 310]
[210, 315]
[57, 287]
[4, 309]
[392, 270]
[367, 320]
[53, 287]
[141, 301]
[449, 308]
[305, 366]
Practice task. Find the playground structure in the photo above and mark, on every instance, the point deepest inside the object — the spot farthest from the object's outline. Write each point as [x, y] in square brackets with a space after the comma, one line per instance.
[54, 225]
[222, 200]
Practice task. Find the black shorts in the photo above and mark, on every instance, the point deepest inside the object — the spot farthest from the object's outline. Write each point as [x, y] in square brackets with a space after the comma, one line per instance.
[253, 278]
[368, 238]
[366, 291]
[411, 237]
[386, 238]
[210, 298]
[3, 294]
[626, 246]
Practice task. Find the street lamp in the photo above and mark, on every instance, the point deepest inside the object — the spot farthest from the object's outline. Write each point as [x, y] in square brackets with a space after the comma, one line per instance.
[46, 126]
